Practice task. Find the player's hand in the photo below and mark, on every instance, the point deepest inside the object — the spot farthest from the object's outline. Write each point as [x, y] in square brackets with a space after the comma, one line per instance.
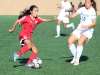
[55, 17]
[84, 27]
[66, 15]
[10, 30]
[57, 7]
[66, 10]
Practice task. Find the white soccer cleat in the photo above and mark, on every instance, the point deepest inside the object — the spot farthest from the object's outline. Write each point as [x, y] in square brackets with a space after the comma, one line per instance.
[29, 65]
[73, 61]
[57, 36]
[76, 63]
[73, 25]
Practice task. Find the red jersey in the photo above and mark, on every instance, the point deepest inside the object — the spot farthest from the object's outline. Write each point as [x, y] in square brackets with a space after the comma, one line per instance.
[29, 24]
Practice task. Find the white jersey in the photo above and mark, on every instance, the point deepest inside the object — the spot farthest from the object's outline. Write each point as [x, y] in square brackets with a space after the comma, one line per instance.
[65, 5]
[86, 16]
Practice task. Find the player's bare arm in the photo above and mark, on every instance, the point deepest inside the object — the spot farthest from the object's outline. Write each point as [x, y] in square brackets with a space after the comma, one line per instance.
[89, 26]
[50, 20]
[59, 7]
[14, 26]
[72, 15]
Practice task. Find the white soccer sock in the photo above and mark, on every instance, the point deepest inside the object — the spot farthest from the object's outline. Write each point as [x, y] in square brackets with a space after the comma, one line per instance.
[68, 25]
[58, 30]
[79, 52]
[72, 48]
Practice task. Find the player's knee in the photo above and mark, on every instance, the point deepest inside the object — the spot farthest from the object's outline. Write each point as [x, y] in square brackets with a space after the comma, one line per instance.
[29, 46]
[64, 27]
[35, 50]
[70, 41]
[80, 43]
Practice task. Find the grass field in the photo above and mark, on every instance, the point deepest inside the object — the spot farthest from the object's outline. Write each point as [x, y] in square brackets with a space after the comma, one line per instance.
[53, 51]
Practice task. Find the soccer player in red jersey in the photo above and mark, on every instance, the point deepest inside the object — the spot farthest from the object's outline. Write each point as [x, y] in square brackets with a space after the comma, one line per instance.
[29, 20]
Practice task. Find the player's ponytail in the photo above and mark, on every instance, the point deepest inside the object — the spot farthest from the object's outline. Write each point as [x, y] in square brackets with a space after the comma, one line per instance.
[94, 5]
[27, 11]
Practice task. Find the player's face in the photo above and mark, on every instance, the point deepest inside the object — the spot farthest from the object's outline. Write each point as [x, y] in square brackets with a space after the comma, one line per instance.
[34, 12]
[88, 4]
[65, 0]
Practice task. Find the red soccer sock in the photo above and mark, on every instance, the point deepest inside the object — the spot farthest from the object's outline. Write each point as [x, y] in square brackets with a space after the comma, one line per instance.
[32, 56]
[23, 50]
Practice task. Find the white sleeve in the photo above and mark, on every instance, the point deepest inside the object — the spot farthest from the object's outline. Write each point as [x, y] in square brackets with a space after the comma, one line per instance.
[79, 11]
[93, 16]
[70, 5]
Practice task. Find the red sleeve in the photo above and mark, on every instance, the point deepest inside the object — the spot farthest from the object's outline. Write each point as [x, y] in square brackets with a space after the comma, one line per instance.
[22, 20]
[40, 20]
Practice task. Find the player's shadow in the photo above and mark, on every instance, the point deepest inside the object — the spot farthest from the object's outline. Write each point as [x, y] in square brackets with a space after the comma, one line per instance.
[66, 57]
[64, 35]
[46, 59]
[83, 58]
[15, 66]
[22, 62]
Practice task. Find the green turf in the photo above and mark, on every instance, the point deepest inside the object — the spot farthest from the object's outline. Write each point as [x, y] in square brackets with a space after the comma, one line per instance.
[53, 51]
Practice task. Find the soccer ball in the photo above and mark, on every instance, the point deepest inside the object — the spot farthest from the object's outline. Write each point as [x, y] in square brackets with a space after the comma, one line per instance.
[37, 63]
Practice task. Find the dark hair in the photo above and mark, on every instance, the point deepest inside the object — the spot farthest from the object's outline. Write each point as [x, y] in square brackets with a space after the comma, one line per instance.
[94, 5]
[71, 3]
[81, 5]
[27, 11]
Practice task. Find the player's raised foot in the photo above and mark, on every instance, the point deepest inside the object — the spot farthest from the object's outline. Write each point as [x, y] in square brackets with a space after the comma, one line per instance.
[16, 56]
[29, 65]
[73, 61]
[76, 63]
[73, 25]
[57, 36]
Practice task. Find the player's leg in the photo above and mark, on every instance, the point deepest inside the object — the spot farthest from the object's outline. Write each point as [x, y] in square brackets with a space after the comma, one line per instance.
[26, 47]
[81, 41]
[32, 56]
[59, 18]
[66, 23]
[72, 47]
[27, 44]
[85, 37]
[58, 28]
[74, 37]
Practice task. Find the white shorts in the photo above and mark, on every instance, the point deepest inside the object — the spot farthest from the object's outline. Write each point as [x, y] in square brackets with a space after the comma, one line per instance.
[88, 33]
[62, 17]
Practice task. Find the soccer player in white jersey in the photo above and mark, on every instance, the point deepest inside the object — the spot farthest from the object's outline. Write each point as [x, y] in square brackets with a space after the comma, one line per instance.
[65, 8]
[84, 32]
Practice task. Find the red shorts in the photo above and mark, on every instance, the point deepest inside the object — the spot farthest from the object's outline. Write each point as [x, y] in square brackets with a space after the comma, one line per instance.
[22, 38]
